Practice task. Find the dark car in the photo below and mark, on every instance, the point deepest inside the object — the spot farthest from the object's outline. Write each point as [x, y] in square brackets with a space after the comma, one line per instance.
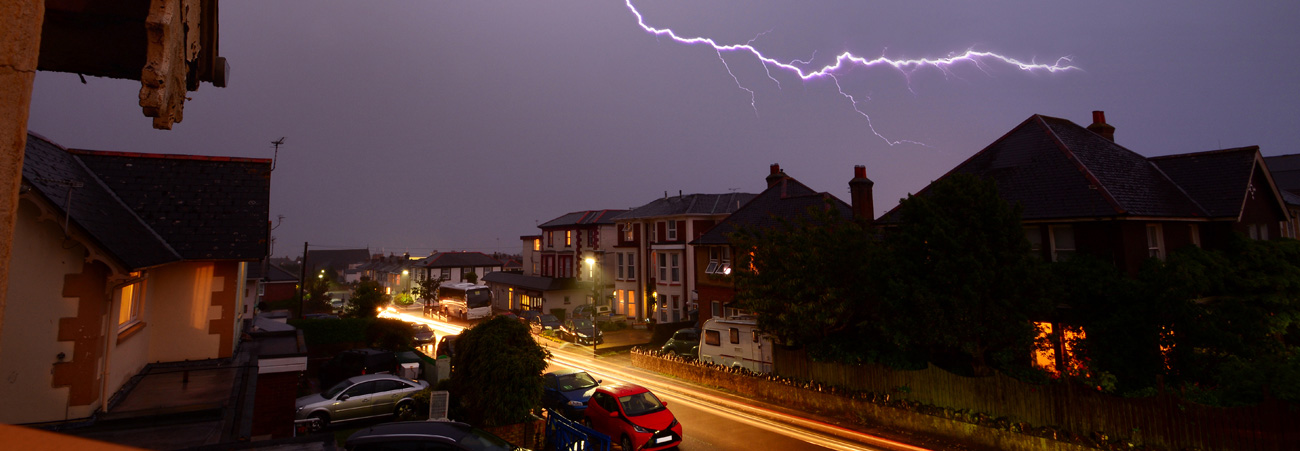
[567, 391]
[509, 315]
[446, 346]
[581, 331]
[584, 311]
[685, 343]
[423, 333]
[527, 316]
[544, 322]
[355, 362]
[357, 397]
[425, 435]
[632, 416]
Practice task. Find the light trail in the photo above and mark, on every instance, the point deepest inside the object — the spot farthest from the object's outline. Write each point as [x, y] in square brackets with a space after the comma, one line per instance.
[846, 61]
[811, 431]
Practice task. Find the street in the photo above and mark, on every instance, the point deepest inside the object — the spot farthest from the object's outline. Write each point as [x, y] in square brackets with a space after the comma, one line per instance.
[710, 420]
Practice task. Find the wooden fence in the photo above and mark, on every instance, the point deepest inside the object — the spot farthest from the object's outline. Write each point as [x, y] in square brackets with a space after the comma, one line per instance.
[1162, 421]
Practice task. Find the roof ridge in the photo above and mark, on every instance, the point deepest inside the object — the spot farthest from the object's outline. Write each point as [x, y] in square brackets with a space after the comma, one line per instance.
[112, 153]
[1087, 172]
[1207, 152]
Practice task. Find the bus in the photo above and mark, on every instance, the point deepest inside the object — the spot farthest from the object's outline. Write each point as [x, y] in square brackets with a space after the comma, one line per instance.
[464, 300]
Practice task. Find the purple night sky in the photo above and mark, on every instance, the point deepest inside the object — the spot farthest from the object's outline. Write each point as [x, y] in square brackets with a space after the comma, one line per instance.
[459, 125]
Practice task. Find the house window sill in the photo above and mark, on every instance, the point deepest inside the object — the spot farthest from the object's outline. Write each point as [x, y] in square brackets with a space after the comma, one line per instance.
[129, 331]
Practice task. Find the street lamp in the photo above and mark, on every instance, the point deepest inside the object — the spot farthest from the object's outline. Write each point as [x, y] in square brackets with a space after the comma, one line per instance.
[595, 292]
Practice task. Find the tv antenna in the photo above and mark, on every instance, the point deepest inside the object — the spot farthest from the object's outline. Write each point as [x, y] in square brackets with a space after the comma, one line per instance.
[277, 144]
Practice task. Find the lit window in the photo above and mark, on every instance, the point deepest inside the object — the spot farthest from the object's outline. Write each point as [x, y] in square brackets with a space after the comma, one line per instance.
[1155, 242]
[130, 303]
[537, 244]
[568, 238]
[1062, 242]
[550, 238]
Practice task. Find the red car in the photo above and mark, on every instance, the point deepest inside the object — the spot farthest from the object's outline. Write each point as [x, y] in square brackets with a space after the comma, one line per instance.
[633, 417]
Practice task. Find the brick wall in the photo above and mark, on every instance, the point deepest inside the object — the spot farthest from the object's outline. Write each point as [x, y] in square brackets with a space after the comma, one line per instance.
[526, 435]
[273, 408]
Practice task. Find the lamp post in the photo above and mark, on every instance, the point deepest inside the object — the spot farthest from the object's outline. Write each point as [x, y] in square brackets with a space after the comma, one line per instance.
[596, 291]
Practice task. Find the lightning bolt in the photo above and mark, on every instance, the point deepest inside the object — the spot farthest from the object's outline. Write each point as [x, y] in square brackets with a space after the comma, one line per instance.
[847, 60]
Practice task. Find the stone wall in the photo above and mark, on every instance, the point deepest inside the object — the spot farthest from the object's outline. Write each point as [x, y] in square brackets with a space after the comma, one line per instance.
[847, 409]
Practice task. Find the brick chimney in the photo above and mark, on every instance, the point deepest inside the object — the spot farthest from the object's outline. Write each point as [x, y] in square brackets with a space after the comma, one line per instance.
[860, 195]
[775, 176]
[1100, 127]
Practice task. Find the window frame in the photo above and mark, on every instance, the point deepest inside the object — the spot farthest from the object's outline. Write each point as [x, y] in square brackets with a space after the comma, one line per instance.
[129, 312]
[1156, 249]
[712, 337]
[670, 231]
[1057, 250]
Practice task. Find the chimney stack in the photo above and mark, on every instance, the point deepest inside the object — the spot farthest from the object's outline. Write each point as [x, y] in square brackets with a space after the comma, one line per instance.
[776, 175]
[860, 195]
[1100, 127]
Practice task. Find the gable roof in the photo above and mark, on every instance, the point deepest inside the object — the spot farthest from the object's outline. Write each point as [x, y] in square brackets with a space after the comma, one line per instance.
[273, 273]
[786, 199]
[538, 283]
[1056, 169]
[212, 208]
[69, 186]
[589, 217]
[458, 260]
[151, 209]
[1285, 170]
[691, 204]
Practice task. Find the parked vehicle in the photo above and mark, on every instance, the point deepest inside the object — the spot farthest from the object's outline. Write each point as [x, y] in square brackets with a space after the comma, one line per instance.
[527, 315]
[446, 346]
[509, 315]
[423, 333]
[357, 397]
[567, 391]
[736, 342]
[634, 417]
[465, 300]
[425, 435]
[355, 362]
[544, 322]
[684, 343]
[581, 331]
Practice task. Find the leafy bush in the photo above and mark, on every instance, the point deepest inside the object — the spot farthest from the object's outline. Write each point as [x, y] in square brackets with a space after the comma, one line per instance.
[496, 375]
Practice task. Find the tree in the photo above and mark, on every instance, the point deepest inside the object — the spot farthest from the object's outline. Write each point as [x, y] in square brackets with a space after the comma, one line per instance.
[427, 288]
[962, 274]
[367, 298]
[811, 283]
[496, 374]
[470, 277]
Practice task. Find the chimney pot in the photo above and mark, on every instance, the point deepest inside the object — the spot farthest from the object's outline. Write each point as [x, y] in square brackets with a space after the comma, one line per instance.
[860, 195]
[776, 169]
[1100, 127]
[776, 176]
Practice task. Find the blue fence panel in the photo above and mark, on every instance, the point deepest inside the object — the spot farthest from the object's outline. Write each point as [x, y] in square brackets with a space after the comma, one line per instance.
[563, 434]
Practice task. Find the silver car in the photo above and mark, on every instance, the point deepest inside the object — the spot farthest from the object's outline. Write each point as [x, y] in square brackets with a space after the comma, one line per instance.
[364, 396]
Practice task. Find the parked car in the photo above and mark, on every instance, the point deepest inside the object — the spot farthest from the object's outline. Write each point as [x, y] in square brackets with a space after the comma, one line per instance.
[425, 435]
[634, 417]
[581, 331]
[584, 311]
[684, 342]
[423, 333]
[567, 391]
[544, 322]
[446, 346]
[510, 315]
[527, 315]
[319, 316]
[355, 362]
[357, 397]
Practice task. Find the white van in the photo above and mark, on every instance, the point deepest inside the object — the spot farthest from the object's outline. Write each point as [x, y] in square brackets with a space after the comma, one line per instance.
[735, 342]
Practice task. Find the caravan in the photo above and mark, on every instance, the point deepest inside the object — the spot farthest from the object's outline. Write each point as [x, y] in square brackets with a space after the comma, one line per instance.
[736, 342]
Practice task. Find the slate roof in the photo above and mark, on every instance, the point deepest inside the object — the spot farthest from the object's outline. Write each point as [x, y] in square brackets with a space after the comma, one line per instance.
[207, 208]
[274, 273]
[538, 283]
[100, 194]
[787, 199]
[458, 260]
[1286, 174]
[589, 217]
[1218, 180]
[1057, 169]
[691, 204]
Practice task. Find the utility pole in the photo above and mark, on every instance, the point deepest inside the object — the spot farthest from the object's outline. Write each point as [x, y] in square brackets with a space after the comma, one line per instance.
[302, 282]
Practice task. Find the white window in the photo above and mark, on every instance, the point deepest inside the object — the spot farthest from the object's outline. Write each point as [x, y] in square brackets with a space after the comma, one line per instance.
[714, 264]
[1155, 241]
[676, 268]
[130, 302]
[1195, 231]
[663, 267]
[671, 234]
[631, 265]
[1062, 242]
[619, 259]
[1258, 231]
